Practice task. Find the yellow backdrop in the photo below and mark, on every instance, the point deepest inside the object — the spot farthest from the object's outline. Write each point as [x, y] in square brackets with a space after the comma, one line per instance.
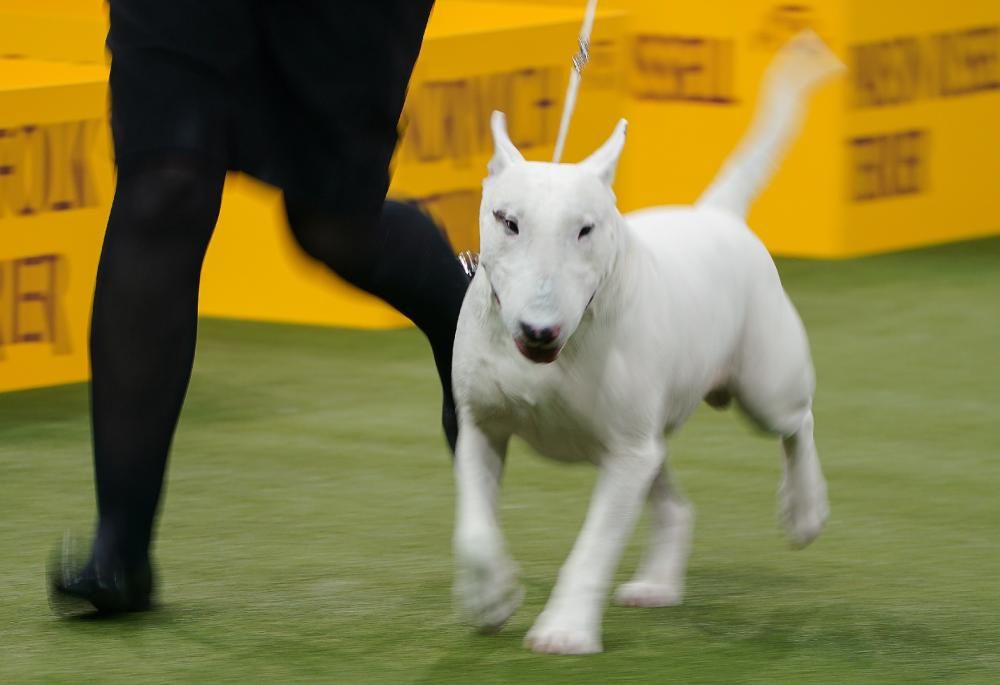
[55, 189]
[904, 151]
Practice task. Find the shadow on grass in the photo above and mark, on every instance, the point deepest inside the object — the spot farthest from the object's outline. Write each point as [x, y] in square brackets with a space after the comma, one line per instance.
[744, 619]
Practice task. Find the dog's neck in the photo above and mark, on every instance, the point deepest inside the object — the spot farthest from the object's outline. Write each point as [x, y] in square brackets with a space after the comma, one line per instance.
[618, 287]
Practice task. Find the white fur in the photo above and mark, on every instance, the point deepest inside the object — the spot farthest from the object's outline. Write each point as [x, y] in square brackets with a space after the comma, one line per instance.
[653, 312]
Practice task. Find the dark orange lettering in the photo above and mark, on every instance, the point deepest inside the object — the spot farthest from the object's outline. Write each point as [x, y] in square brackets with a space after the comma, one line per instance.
[684, 68]
[47, 168]
[43, 295]
[947, 64]
[968, 61]
[450, 119]
[888, 165]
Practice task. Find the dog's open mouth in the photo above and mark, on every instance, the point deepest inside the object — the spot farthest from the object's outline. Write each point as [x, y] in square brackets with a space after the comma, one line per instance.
[536, 353]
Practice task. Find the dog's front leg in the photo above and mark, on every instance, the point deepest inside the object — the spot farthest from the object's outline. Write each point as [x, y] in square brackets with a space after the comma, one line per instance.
[487, 587]
[571, 621]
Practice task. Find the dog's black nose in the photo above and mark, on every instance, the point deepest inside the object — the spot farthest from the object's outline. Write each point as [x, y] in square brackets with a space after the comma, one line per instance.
[539, 336]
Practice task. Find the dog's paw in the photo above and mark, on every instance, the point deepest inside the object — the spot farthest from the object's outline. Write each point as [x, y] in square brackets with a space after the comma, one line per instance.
[556, 636]
[802, 514]
[645, 594]
[487, 592]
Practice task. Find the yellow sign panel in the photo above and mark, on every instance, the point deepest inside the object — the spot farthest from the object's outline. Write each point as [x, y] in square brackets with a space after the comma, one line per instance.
[690, 74]
[56, 30]
[902, 152]
[922, 140]
[56, 177]
[55, 190]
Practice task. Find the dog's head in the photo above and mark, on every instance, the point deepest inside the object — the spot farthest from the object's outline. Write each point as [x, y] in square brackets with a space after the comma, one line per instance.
[549, 237]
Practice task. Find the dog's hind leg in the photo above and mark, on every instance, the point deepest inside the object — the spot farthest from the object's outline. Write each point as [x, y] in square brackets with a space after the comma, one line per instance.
[659, 582]
[774, 387]
[802, 498]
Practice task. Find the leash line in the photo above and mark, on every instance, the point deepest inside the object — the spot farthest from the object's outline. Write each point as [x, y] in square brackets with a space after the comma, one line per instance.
[580, 60]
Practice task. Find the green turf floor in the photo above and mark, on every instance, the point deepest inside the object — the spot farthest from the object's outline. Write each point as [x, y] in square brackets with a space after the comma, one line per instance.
[306, 535]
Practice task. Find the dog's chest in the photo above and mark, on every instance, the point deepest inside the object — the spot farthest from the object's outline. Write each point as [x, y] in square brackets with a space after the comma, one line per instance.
[555, 412]
[557, 427]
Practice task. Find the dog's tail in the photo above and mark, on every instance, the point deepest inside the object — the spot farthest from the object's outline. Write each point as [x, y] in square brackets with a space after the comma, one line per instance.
[801, 65]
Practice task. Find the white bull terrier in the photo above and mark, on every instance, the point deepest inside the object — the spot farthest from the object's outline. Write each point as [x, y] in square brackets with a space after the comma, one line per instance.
[592, 336]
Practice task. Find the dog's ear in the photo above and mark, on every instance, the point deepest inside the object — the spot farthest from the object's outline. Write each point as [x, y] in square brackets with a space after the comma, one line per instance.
[504, 152]
[604, 160]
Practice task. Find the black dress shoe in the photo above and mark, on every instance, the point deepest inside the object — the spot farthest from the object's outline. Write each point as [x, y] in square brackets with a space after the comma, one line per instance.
[77, 588]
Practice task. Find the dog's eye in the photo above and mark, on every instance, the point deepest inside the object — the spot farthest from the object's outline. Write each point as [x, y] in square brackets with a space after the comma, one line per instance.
[509, 224]
[585, 231]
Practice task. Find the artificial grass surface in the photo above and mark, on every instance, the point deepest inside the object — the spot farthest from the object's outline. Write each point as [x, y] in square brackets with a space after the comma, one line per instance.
[306, 535]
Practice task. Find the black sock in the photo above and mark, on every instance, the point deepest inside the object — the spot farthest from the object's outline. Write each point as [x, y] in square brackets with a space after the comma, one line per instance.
[142, 340]
[404, 259]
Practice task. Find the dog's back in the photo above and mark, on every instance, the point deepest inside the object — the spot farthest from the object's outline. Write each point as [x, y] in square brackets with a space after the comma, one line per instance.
[705, 257]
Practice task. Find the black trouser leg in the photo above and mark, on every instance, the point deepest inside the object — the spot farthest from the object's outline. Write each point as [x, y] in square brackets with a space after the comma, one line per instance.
[142, 339]
[401, 257]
